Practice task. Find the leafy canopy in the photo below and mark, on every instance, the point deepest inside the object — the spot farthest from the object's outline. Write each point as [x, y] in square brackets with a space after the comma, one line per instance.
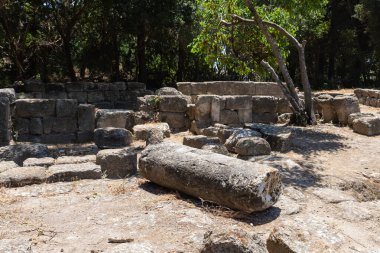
[240, 48]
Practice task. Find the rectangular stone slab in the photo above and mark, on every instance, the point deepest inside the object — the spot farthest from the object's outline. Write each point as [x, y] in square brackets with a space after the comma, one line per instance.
[70, 172]
[220, 179]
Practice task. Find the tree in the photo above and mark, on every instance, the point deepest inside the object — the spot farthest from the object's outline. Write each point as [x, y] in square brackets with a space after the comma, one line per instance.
[233, 10]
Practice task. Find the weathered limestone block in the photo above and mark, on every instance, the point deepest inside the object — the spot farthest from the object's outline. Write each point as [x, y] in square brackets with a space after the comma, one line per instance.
[358, 115]
[203, 108]
[229, 117]
[141, 132]
[56, 95]
[173, 103]
[136, 86]
[27, 108]
[61, 125]
[155, 136]
[265, 118]
[5, 114]
[66, 108]
[39, 162]
[164, 91]
[328, 111]
[71, 172]
[112, 95]
[117, 163]
[264, 104]
[268, 89]
[34, 86]
[190, 112]
[306, 234]
[75, 159]
[4, 166]
[225, 132]
[86, 117]
[21, 176]
[216, 148]
[36, 126]
[252, 146]
[95, 96]
[238, 102]
[235, 241]
[112, 137]
[8, 93]
[237, 135]
[283, 106]
[198, 141]
[369, 126]
[117, 86]
[218, 104]
[184, 88]
[210, 131]
[344, 106]
[221, 179]
[245, 115]
[176, 120]
[80, 96]
[278, 137]
[114, 118]
[75, 86]
[20, 152]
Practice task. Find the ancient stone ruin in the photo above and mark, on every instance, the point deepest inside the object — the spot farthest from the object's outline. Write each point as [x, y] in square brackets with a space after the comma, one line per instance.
[225, 144]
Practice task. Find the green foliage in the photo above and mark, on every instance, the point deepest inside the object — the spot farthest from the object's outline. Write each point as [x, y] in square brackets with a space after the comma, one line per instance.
[240, 48]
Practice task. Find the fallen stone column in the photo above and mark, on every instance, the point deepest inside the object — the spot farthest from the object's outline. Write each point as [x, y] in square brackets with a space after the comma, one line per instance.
[217, 178]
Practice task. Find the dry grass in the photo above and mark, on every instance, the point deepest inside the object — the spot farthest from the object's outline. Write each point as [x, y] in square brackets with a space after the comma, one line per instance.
[368, 190]
[6, 199]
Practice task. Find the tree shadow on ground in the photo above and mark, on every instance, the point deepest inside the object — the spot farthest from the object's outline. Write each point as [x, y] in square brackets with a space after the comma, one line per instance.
[254, 219]
[309, 142]
[292, 173]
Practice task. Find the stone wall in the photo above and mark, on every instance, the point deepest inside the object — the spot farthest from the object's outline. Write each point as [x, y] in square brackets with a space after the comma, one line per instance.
[117, 95]
[368, 97]
[53, 121]
[233, 110]
[223, 88]
[7, 98]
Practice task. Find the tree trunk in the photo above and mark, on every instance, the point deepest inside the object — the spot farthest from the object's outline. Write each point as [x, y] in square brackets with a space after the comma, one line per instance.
[309, 107]
[181, 57]
[141, 55]
[276, 50]
[116, 61]
[68, 58]
[277, 53]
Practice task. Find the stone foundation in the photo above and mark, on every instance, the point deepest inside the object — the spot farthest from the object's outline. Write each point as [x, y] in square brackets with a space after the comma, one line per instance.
[368, 97]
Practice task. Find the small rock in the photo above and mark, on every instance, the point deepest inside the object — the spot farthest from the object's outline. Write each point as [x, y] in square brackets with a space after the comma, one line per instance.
[155, 136]
[141, 131]
[198, 141]
[235, 241]
[75, 159]
[117, 163]
[112, 137]
[305, 234]
[237, 135]
[22, 176]
[252, 146]
[216, 148]
[70, 172]
[20, 152]
[41, 162]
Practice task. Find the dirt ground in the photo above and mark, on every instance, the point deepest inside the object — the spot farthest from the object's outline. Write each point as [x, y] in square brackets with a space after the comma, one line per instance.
[336, 186]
